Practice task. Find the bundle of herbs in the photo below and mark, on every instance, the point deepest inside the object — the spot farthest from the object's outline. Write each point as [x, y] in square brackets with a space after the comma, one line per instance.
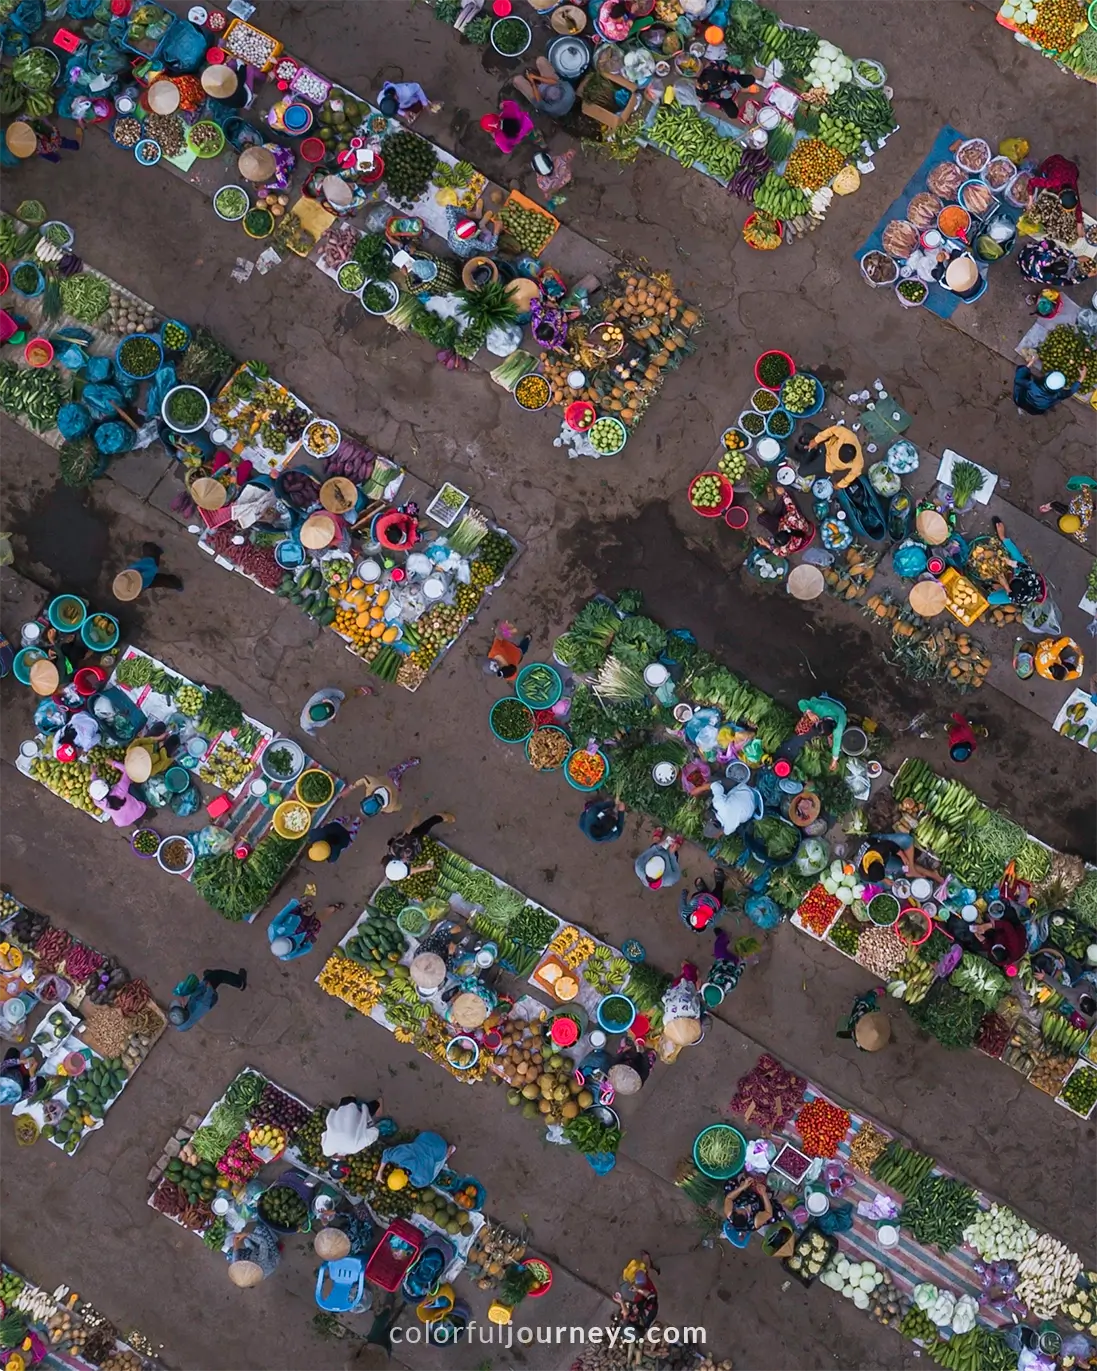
[951, 1016]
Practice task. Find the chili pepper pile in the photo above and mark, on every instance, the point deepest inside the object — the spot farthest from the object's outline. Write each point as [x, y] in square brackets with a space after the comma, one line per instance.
[257, 562]
[822, 1126]
[817, 910]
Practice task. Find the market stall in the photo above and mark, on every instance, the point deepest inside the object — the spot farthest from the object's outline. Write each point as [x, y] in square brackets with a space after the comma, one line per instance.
[956, 217]
[1065, 33]
[85, 1024]
[40, 1328]
[240, 849]
[493, 986]
[256, 1153]
[966, 1278]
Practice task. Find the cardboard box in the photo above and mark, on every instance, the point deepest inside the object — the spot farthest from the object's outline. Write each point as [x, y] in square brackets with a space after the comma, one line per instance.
[611, 118]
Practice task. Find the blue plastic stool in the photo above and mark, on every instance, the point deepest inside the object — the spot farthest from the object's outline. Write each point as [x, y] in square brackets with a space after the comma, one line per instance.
[348, 1282]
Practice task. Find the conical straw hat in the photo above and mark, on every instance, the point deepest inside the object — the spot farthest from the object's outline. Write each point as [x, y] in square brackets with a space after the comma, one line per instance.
[220, 81]
[317, 531]
[127, 585]
[138, 764]
[44, 677]
[207, 493]
[257, 164]
[245, 1274]
[163, 97]
[21, 139]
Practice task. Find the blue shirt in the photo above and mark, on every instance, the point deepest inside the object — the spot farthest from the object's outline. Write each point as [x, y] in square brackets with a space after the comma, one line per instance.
[198, 1006]
[146, 568]
[1031, 395]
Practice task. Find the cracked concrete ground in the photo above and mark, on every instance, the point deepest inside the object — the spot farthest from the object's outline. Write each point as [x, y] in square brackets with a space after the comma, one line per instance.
[585, 526]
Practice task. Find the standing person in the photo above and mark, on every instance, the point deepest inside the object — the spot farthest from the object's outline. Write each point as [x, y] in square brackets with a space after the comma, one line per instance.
[199, 996]
[510, 127]
[405, 848]
[603, 821]
[657, 866]
[144, 574]
[375, 1351]
[320, 708]
[330, 842]
[961, 740]
[294, 930]
[505, 655]
[350, 1127]
[38, 138]
[727, 966]
[682, 1011]
[701, 909]
[407, 99]
[866, 1025]
[254, 1255]
[1037, 394]
[120, 807]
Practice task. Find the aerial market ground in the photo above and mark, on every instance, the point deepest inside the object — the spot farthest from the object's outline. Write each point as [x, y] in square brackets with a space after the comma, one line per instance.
[584, 527]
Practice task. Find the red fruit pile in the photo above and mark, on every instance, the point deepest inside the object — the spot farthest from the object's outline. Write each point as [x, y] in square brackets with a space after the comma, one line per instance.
[822, 1126]
[817, 910]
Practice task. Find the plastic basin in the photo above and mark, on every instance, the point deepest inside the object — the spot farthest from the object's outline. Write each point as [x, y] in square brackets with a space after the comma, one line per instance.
[315, 804]
[578, 785]
[67, 613]
[730, 1168]
[773, 352]
[25, 658]
[727, 496]
[99, 639]
[502, 737]
[814, 408]
[538, 700]
[546, 728]
[616, 1013]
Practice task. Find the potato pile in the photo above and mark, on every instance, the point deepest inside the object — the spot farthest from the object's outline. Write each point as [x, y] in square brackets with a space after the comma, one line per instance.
[542, 1081]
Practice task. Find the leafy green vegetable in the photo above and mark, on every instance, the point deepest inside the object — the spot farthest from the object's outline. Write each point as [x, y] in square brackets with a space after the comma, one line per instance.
[951, 1016]
[220, 712]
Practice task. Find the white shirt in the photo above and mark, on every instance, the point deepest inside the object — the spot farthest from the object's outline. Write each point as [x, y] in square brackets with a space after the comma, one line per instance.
[347, 1130]
[85, 728]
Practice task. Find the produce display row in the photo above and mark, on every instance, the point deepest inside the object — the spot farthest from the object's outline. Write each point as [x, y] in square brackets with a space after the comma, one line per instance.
[805, 133]
[224, 1173]
[475, 923]
[257, 831]
[43, 1328]
[955, 992]
[90, 1026]
[906, 1242]
[1064, 32]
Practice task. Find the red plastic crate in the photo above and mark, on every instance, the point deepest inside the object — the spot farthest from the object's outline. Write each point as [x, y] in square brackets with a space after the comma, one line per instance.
[387, 1269]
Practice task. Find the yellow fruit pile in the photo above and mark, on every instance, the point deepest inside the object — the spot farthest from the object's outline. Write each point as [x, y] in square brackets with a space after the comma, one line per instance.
[268, 1135]
[361, 613]
[349, 982]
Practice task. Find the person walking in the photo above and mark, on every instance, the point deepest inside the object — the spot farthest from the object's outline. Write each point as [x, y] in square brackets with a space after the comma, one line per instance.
[375, 1351]
[197, 997]
[701, 909]
[404, 849]
[330, 842]
[320, 708]
[867, 1026]
[144, 574]
[505, 655]
[510, 127]
[1037, 394]
[38, 138]
[657, 866]
[961, 740]
[603, 821]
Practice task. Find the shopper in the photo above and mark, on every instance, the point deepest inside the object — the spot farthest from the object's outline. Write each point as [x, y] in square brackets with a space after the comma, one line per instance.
[701, 909]
[1037, 394]
[144, 574]
[405, 849]
[638, 1300]
[867, 1026]
[199, 996]
[38, 138]
[375, 1351]
[330, 842]
[728, 966]
[821, 708]
[320, 708]
[294, 930]
[718, 83]
[603, 821]
[657, 866]
[844, 457]
[505, 655]
[510, 127]
[961, 740]
[407, 99]
[120, 807]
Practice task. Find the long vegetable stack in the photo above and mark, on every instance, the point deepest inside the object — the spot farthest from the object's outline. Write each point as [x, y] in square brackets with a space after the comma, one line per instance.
[792, 181]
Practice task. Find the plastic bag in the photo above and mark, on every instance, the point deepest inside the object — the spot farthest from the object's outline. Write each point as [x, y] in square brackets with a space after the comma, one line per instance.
[28, 16]
[73, 357]
[162, 382]
[183, 47]
[104, 59]
[82, 9]
[98, 369]
[102, 399]
[113, 437]
[211, 841]
[73, 421]
[837, 1219]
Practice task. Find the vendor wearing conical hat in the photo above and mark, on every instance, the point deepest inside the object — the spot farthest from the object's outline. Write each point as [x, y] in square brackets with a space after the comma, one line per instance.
[254, 1256]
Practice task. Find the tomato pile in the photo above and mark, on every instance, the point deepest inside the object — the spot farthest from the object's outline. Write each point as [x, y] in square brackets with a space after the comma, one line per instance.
[817, 910]
[822, 1126]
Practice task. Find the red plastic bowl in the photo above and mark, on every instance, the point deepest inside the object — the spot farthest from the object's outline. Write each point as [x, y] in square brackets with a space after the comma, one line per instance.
[375, 173]
[736, 517]
[580, 415]
[38, 352]
[313, 150]
[774, 352]
[727, 495]
[4, 278]
[539, 1268]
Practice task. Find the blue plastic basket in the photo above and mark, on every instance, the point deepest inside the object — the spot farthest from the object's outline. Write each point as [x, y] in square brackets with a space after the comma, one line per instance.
[132, 375]
[820, 397]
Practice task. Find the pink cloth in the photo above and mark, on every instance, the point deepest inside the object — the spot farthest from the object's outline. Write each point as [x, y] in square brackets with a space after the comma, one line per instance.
[132, 807]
